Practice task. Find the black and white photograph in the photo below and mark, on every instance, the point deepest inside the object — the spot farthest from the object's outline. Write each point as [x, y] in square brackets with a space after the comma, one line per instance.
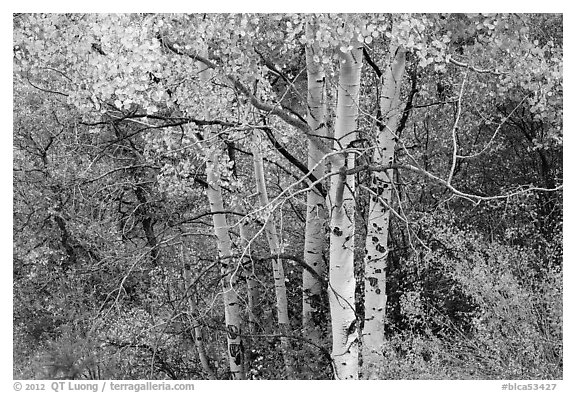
[287, 196]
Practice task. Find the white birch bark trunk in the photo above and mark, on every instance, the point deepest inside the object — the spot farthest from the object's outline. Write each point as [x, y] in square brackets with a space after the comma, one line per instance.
[379, 217]
[314, 239]
[342, 209]
[235, 348]
[274, 244]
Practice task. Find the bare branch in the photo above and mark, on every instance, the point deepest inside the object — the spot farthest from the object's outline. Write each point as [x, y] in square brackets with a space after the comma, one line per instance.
[495, 132]
[471, 197]
[475, 69]
[455, 129]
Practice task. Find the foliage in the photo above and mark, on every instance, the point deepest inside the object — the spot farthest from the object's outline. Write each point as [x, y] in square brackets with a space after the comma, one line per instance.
[110, 188]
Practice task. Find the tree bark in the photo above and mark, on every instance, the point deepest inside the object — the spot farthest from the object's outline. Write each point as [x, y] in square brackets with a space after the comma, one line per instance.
[249, 272]
[274, 244]
[342, 210]
[194, 318]
[379, 216]
[235, 347]
[143, 213]
[314, 239]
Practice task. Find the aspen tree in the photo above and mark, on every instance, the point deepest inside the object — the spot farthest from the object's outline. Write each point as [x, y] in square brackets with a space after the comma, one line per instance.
[235, 348]
[194, 317]
[248, 266]
[274, 245]
[314, 239]
[379, 214]
[342, 211]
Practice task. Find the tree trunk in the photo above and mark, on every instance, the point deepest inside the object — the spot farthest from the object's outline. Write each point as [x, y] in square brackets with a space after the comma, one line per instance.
[342, 209]
[142, 211]
[274, 244]
[249, 273]
[235, 348]
[227, 266]
[194, 317]
[379, 216]
[314, 239]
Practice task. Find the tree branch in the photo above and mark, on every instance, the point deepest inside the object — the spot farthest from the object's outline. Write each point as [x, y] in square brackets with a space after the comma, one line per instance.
[455, 129]
[258, 104]
[475, 69]
[371, 62]
[472, 197]
[409, 105]
[294, 161]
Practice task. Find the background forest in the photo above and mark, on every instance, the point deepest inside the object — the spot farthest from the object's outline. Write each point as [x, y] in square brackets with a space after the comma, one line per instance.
[292, 196]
